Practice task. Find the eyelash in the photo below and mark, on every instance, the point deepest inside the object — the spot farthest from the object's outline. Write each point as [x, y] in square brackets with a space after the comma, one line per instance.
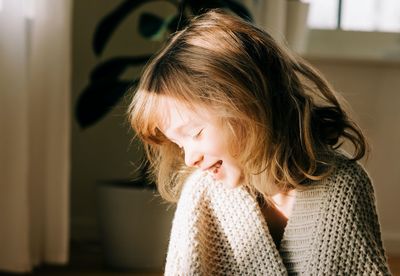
[198, 134]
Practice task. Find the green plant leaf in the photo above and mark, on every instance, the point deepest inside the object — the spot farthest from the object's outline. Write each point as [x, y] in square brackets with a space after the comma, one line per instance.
[237, 8]
[198, 7]
[176, 23]
[114, 67]
[110, 22]
[151, 26]
[105, 89]
[98, 98]
[179, 21]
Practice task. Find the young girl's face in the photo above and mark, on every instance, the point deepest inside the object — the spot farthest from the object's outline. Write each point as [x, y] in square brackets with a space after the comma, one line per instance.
[202, 138]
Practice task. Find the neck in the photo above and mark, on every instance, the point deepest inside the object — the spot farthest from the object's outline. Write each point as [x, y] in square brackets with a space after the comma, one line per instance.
[284, 202]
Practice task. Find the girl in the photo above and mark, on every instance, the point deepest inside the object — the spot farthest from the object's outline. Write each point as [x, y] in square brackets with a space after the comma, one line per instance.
[246, 137]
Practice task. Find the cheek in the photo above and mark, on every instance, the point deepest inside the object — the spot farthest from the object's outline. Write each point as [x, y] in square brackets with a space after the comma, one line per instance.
[232, 142]
[212, 144]
[222, 139]
[225, 145]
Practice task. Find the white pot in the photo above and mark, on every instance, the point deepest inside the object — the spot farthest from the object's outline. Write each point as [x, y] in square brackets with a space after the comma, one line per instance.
[134, 225]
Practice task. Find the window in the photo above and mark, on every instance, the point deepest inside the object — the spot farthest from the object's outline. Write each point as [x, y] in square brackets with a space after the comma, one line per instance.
[26, 5]
[355, 15]
[354, 29]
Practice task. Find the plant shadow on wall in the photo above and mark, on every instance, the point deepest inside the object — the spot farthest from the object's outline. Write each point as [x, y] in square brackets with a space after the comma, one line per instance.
[123, 222]
[106, 87]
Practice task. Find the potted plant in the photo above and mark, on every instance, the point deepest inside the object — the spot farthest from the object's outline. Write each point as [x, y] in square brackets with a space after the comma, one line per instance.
[128, 209]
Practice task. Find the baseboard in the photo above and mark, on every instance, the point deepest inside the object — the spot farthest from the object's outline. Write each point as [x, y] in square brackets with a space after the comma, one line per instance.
[391, 241]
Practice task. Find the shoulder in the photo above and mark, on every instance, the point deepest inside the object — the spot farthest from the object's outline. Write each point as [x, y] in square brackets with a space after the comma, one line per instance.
[350, 198]
[348, 175]
[348, 220]
[346, 196]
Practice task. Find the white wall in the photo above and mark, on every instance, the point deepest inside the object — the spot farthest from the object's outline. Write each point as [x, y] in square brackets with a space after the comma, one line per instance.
[373, 90]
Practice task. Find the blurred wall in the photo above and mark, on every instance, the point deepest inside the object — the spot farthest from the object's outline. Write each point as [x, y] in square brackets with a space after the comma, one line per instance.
[103, 151]
[372, 90]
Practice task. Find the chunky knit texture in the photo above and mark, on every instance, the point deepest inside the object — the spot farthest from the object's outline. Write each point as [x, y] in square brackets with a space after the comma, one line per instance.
[333, 230]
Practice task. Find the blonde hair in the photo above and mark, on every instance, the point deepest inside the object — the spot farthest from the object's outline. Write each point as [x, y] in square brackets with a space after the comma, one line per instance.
[281, 114]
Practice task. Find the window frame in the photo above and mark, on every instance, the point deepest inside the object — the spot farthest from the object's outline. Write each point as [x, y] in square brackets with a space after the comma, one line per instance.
[351, 44]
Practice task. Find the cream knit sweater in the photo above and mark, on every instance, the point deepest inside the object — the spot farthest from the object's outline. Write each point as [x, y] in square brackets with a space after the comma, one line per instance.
[333, 230]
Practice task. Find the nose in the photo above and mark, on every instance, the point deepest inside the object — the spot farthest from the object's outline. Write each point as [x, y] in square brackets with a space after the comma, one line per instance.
[193, 158]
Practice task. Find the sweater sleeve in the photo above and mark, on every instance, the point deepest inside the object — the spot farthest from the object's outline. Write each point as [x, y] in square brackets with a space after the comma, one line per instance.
[218, 231]
[350, 243]
[182, 254]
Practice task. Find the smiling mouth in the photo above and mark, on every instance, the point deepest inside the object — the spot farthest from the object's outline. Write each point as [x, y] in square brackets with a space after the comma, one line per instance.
[214, 168]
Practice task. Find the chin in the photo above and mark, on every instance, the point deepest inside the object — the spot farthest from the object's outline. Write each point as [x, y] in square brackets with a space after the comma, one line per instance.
[230, 178]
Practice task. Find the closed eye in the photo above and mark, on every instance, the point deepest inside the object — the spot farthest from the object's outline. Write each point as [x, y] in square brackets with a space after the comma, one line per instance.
[198, 134]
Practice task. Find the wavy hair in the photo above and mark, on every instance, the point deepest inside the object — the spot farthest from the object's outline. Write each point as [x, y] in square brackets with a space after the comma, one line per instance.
[283, 117]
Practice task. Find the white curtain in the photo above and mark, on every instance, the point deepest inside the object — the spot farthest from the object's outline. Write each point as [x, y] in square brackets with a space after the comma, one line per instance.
[35, 64]
[285, 20]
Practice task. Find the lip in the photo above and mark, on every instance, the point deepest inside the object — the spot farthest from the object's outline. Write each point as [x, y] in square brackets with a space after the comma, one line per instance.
[215, 165]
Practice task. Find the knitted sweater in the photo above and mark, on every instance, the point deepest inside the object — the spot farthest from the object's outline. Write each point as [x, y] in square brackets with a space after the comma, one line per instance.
[333, 230]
